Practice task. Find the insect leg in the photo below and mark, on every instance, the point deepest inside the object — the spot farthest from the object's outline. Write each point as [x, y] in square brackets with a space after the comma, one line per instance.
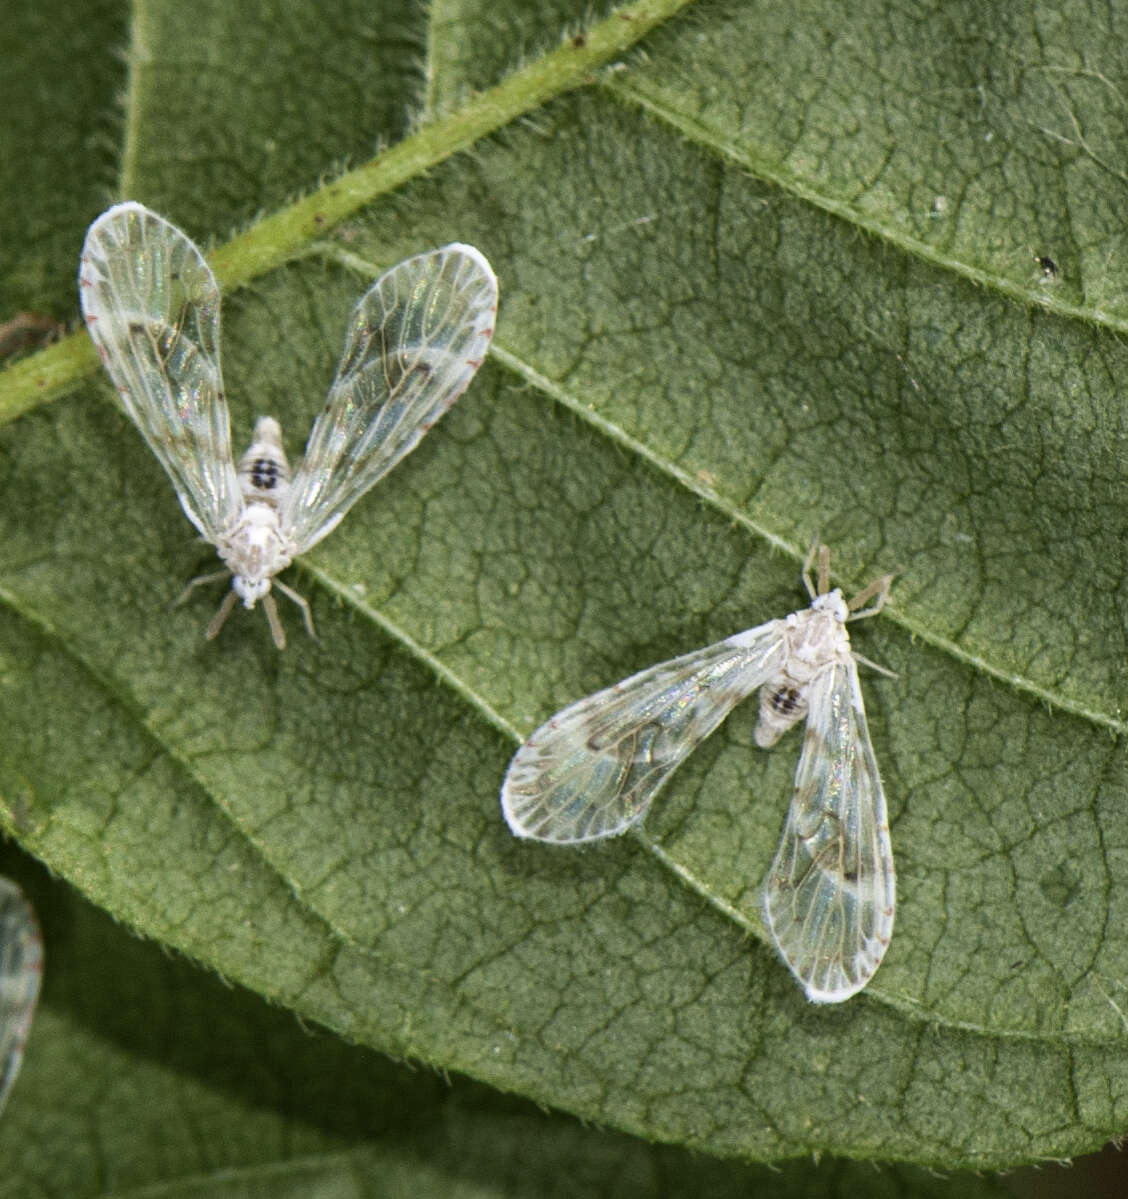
[222, 613]
[276, 629]
[880, 588]
[302, 603]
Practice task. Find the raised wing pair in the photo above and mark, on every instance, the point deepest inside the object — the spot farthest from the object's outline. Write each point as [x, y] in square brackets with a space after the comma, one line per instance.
[414, 341]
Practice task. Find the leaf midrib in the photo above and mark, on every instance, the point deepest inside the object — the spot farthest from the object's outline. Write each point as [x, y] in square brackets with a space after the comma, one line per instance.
[715, 142]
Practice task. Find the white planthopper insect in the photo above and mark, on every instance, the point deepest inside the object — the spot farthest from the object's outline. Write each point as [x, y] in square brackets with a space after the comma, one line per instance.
[592, 770]
[21, 969]
[414, 342]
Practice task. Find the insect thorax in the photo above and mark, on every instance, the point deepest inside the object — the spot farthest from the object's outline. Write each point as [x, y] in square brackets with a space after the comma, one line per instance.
[255, 550]
[815, 638]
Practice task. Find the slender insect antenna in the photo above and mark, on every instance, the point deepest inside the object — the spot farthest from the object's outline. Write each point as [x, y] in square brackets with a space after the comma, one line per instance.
[271, 610]
[221, 615]
[823, 552]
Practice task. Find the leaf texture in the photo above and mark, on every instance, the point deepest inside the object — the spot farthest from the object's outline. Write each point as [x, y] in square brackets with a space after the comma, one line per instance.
[763, 274]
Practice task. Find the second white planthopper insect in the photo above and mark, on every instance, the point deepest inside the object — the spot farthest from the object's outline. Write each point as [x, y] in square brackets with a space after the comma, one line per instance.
[593, 769]
[414, 342]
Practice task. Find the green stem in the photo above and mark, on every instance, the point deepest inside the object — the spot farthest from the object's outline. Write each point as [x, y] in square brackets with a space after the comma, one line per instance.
[276, 238]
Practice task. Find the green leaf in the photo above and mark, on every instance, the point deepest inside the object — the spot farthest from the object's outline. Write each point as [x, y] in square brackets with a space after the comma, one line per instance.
[144, 1068]
[764, 273]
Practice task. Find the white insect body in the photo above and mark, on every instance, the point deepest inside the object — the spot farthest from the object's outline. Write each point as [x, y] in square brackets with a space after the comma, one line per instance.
[593, 769]
[21, 970]
[414, 342]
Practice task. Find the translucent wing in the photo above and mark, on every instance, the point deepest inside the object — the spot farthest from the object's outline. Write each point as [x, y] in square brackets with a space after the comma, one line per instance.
[21, 968]
[829, 897]
[414, 342]
[593, 769]
[151, 304]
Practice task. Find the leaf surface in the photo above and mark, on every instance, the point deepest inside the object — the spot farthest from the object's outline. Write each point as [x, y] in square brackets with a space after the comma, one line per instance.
[763, 275]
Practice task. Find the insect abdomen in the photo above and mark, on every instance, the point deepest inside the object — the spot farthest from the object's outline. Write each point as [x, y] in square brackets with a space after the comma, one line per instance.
[783, 703]
[264, 473]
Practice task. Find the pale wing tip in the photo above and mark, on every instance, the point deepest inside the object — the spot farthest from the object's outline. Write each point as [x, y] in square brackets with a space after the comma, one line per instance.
[529, 812]
[533, 823]
[126, 206]
[516, 822]
[117, 211]
[474, 254]
[513, 818]
[830, 982]
[837, 993]
[107, 233]
[528, 819]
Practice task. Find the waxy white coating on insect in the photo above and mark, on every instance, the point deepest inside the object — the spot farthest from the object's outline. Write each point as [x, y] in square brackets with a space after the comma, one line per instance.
[593, 769]
[21, 971]
[415, 340]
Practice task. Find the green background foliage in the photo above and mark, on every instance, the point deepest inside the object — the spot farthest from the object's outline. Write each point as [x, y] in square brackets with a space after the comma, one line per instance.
[766, 271]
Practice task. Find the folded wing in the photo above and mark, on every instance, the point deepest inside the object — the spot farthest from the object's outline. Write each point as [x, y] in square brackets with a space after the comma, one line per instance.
[829, 897]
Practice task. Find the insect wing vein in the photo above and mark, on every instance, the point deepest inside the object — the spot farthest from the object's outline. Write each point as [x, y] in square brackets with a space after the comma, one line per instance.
[21, 969]
[415, 341]
[151, 304]
[592, 770]
[829, 897]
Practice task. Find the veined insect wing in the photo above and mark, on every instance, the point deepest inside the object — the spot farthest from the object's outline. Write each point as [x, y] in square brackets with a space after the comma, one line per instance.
[21, 970]
[415, 340]
[829, 896]
[151, 305]
[593, 769]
